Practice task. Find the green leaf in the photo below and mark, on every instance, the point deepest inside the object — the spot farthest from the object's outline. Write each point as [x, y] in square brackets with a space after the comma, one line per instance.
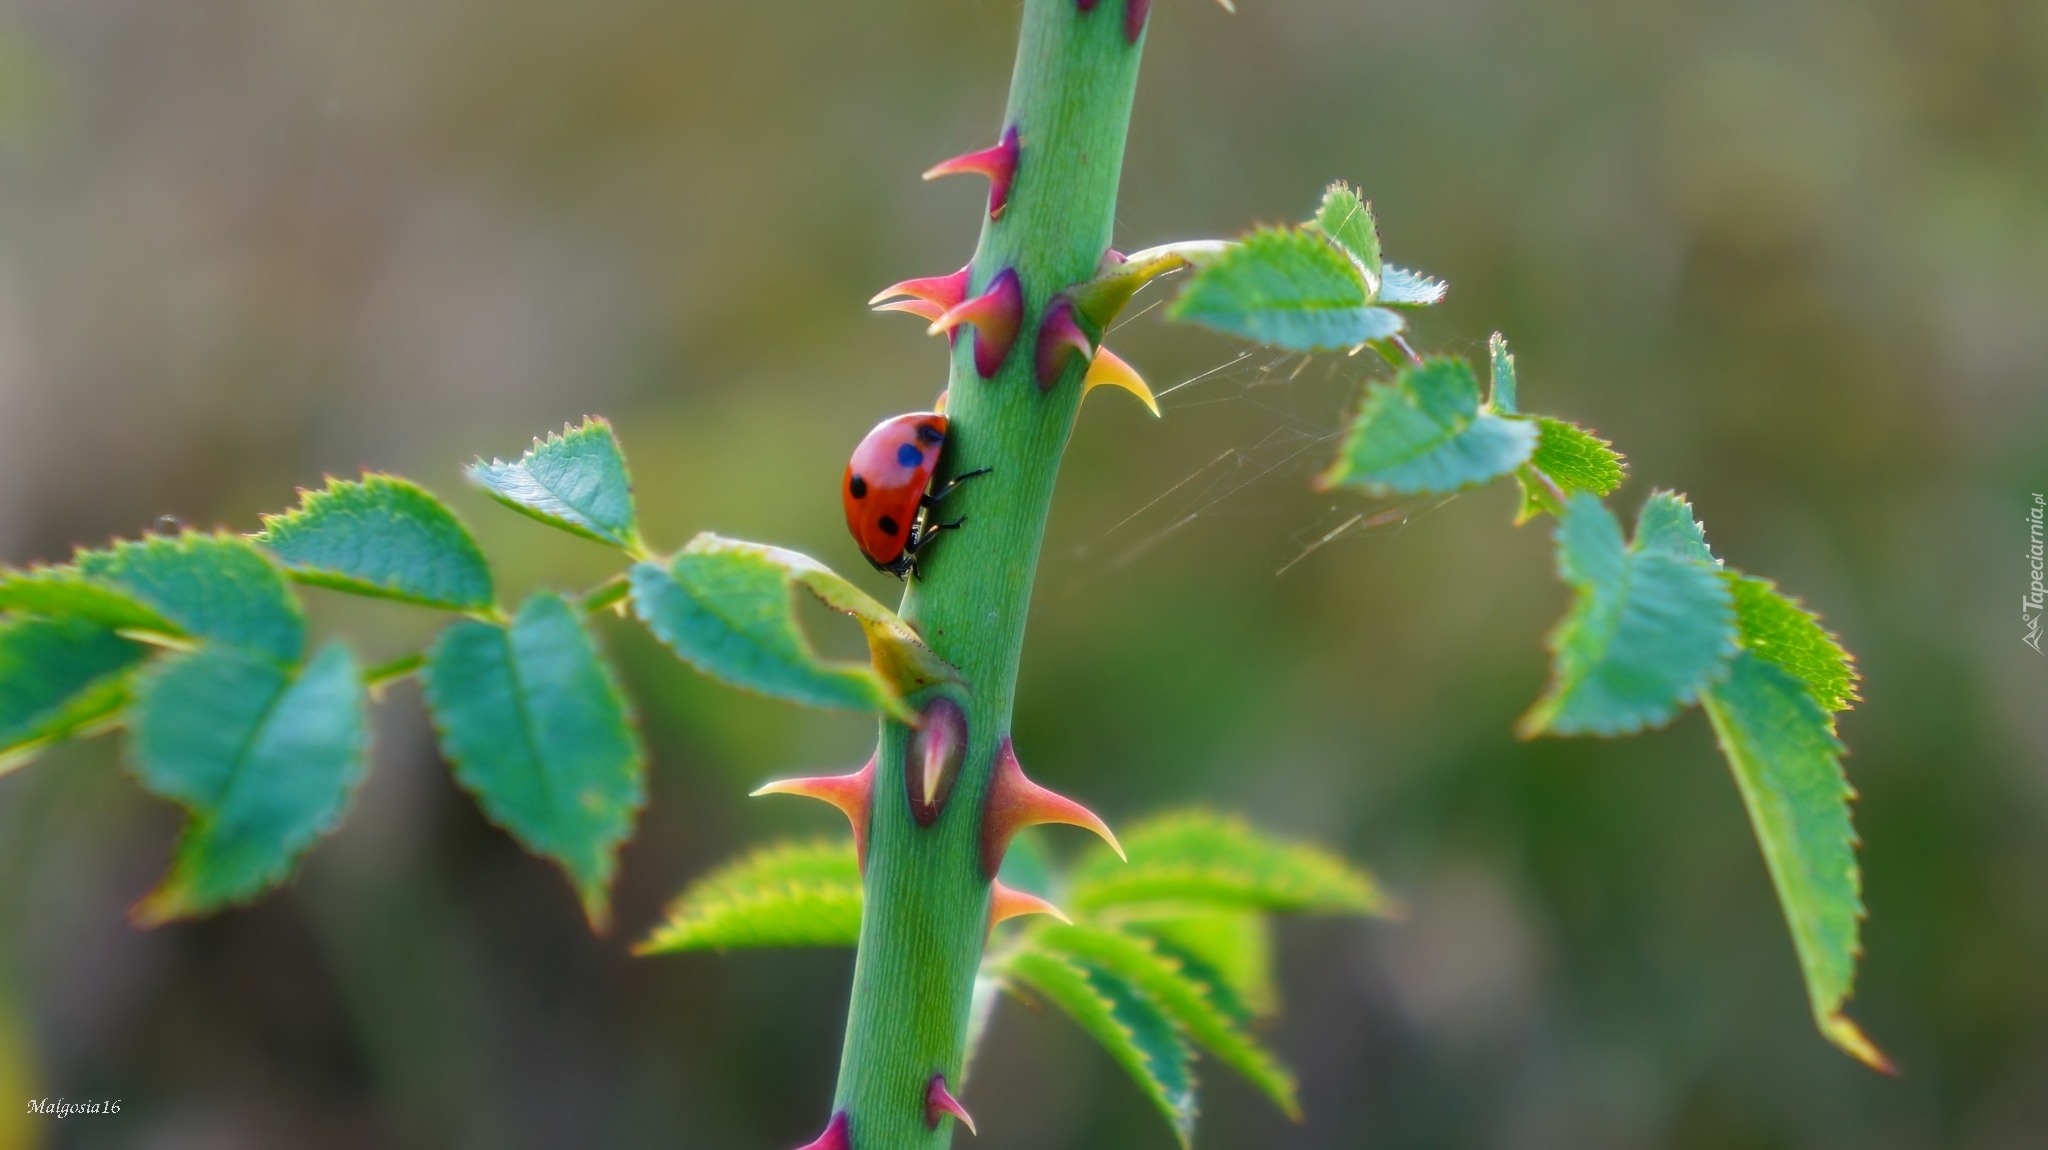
[1779, 630]
[65, 593]
[789, 894]
[576, 481]
[1129, 1024]
[1781, 746]
[725, 607]
[1502, 362]
[58, 676]
[1574, 460]
[1347, 221]
[1228, 951]
[217, 587]
[1651, 623]
[1198, 860]
[1138, 962]
[1287, 288]
[382, 536]
[1424, 432]
[266, 763]
[1400, 287]
[537, 730]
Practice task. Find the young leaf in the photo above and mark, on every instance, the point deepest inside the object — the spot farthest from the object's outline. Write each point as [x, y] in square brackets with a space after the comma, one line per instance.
[381, 536]
[216, 587]
[58, 676]
[538, 732]
[265, 762]
[1128, 1023]
[1781, 746]
[1287, 288]
[790, 894]
[1161, 978]
[1347, 221]
[1779, 630]
[1400, 287]
[1424, 432]
[1228, 951]
[1572, 459]
[576, 481]
[725, 607]
[65, 593]
[1502, 363]
[1651, 623]
[1198, 860]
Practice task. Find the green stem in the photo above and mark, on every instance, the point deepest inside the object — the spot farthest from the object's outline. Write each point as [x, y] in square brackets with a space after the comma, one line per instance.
[926, 897]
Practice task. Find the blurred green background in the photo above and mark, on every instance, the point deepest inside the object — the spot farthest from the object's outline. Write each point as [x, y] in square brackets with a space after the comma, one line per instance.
[1788, 254]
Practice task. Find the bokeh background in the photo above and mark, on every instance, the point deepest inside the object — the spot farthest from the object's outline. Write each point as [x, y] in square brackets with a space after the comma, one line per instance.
[1788, 254]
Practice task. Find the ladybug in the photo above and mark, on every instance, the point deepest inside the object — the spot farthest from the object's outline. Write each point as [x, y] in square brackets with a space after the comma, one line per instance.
[886, 494]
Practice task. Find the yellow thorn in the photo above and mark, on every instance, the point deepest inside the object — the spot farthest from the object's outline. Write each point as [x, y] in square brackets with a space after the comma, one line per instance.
[1108, 368]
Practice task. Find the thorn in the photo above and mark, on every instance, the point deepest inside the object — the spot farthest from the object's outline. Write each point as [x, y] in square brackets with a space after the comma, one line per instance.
[939, 404]
[835, 1136]
[922, 309]
[938, 1100]
[1059, 337]
[1135, 12]
[1005, 903]
[852, 794]
[996, 315]
[931, 759]
[1110, 370]
[1086, 6]
[943, 291]
[1015, 802]
[998, 163]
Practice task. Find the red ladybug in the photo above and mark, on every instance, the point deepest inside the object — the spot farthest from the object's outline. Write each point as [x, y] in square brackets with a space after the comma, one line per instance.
[885, 490]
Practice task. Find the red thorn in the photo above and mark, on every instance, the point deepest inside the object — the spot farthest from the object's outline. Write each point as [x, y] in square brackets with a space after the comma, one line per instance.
[1135, 12]
[852, 794]
[931, 759]
[998, 163]
[938, 1100]
[996, 314]
[945, 291]
[922, 309]
[1006, 902]
[835, 1137]
[1015, 802]
[1086, 6]
[1059, 338]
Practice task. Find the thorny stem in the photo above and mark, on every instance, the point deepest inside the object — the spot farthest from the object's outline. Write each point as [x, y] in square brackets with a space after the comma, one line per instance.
[927, 900]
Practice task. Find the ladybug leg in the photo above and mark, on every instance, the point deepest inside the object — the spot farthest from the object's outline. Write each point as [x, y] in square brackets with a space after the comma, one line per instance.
[946, 488]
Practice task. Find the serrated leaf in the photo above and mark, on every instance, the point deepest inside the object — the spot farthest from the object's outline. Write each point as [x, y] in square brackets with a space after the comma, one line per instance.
[382, 536]
[1161, 978]
[216, 587]
[1424, 432]
[58, 676]
[1781, 746]
[65, 593]
[726, 608]
[266, 762]
[576, 480]
[1347, 221]
[1779, 630]
[1286, 288]
[1501, 362]
[1228, 951]
[789, 894]
[1574, 460]
[1198, 861]
[538, 732]
[1130, 1025]
[1401, 287]
[1651, 623]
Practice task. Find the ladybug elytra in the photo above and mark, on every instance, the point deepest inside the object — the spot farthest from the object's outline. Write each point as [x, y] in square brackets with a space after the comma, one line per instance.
[885, 491]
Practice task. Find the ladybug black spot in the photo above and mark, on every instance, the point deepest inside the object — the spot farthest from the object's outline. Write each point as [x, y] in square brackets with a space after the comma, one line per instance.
[857, 487]
[909, 456]
[889, 526]
[930, 435]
